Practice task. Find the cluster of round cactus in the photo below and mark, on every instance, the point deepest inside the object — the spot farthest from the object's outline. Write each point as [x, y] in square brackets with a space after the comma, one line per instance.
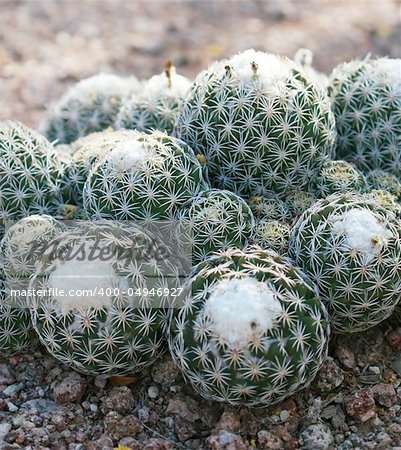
[282, 184]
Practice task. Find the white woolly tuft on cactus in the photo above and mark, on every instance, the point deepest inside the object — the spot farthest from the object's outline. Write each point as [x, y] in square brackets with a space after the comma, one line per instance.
[383, 68]
[392, 69]
[239, 310]
[129, 155]
[272, 71]
[176, 86]
[362, 231]
[103, 83]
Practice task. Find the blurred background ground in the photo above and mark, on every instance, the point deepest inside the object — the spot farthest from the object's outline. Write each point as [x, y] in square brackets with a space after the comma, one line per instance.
[45, 46]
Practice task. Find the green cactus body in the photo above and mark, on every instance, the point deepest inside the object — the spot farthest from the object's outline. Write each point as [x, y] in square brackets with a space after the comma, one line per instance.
[156, 107]
[366, 97]
[31, 174]
[299, 201]
[271, 234]
[113, 321]
[381, 180]
[215, 220]
[251, 329]
[269, 207]
[149, 177]
[351, 248]
[339, 177]
[91, 105]
[261, 124]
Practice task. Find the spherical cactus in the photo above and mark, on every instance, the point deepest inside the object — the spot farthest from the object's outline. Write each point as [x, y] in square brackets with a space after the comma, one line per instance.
[339, 177]
[149, 177]
[351, 248]
[251, 329]
[261, 124]
[381, 180]
[156, 107]
[269, 207]
[91, 105]
[31, 174]
[215, 220]
[299, 201]
[87, 152]
[366, 98]
[271, 234]
[101, 297]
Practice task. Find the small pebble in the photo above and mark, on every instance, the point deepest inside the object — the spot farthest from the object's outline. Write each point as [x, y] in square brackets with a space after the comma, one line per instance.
[11, 407]
[93, 407]
[13, 389]
[153, 392]
[284, 415]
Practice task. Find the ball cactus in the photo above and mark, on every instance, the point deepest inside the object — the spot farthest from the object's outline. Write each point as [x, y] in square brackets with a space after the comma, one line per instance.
[350, 246]
[299, 201]
[339, 177]
[366, 97]
[261, 124]
[31, 174]
[101, 297]
[156, 107]
[251, 329]
[149, 177]
[215, 220]
[270, 207]
[91, 105]
[271, 234]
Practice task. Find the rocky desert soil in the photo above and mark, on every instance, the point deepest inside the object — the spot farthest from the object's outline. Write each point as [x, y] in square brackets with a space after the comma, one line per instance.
[46, 46]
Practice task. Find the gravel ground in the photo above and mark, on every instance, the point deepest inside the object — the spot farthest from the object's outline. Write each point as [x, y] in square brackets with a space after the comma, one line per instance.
[45, 46]
[355, 403]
